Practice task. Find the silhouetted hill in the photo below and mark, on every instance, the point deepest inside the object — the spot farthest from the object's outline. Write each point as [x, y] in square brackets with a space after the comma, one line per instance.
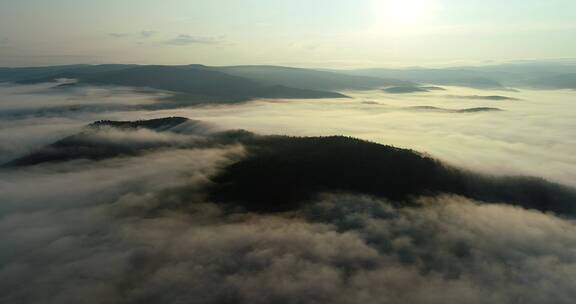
[90, 144]
[22, 74]
[479, 109]
[197, 84]
[42, 74]
[544, 75]
[282, 173]
[443, 110]
[453, 77]
[308, 78]
[410, 89]
[525, 74]
[159, 124]
[480, 97]
[563, 81]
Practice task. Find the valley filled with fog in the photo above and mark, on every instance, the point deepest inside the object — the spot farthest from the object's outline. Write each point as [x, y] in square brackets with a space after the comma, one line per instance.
[407, 194]
[528, 133]
[533, 135]
[288, 152]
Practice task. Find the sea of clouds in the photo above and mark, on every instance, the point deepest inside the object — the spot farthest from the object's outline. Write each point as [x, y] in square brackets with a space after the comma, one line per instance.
[141, 229]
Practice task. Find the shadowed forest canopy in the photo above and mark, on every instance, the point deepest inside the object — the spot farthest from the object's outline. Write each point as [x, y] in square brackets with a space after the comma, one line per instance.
[280, 173]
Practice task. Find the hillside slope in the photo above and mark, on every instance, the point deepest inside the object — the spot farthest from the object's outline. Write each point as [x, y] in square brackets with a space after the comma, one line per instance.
[282, 173]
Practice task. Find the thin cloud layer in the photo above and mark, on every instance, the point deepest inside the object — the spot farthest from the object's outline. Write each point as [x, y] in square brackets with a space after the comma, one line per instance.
[183, 40]
[144, 34]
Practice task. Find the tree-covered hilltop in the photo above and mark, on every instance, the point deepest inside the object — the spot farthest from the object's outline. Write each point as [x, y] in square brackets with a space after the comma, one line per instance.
[153, 124]
[280, 173]
[283, 173]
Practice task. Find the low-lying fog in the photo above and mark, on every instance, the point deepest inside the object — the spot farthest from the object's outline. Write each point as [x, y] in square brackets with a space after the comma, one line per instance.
[532, 133]
[140, 229]
[35, 115]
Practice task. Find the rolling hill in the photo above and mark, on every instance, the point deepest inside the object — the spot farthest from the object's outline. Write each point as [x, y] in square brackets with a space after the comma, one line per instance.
[282, 173]
[189, 83]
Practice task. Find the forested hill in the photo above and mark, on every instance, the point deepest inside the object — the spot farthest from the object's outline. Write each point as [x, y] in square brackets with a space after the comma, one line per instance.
[282, 173]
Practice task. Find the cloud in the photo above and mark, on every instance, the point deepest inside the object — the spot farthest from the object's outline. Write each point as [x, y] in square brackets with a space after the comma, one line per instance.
[103, 141]
[180, 40]
[483, 253]
[119, 35]
[107, 202]
[495, 142]
[183, 40]
[36, 115]
[147, 33]
[144, 34]
[139, 230]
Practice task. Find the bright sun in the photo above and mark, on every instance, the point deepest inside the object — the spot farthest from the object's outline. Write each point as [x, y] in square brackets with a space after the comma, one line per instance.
[403, 13]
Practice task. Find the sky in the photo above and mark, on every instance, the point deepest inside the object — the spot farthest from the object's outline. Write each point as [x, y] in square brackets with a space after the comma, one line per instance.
[320, 33]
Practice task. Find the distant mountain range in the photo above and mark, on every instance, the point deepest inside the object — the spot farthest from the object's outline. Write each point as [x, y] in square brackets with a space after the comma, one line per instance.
[530, 74]
[309, 78]
[191, 83]
[204, 84]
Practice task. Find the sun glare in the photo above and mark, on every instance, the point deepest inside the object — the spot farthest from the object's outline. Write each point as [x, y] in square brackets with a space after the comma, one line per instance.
[403, 14]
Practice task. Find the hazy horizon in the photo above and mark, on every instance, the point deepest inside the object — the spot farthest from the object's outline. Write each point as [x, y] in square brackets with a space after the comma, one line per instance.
[321, 34]
[438, 65]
